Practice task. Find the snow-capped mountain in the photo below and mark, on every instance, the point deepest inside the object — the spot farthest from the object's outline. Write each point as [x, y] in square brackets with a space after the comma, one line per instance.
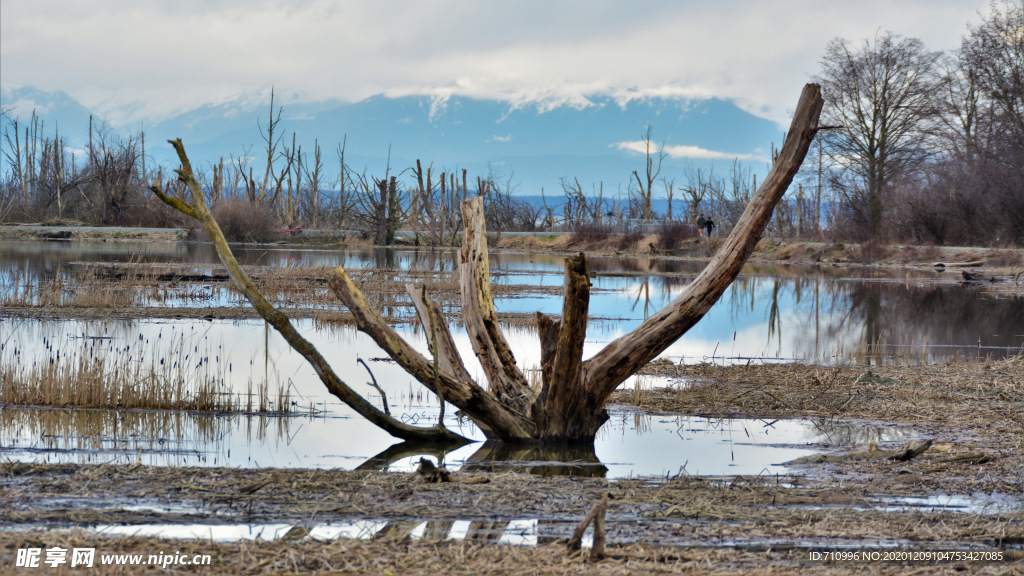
[594, 140]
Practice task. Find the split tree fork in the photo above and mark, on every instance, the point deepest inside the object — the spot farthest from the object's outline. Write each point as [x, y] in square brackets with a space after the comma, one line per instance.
[567, 406]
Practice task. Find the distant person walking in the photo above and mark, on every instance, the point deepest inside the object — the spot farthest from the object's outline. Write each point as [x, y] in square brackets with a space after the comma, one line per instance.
[709, 225]
[701, 221]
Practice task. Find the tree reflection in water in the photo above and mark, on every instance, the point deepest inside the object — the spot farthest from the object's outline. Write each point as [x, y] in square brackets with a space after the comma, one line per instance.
[573, 460]
[877, 320]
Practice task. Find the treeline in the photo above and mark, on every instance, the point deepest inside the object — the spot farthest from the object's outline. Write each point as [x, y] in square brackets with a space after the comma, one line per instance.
[107, 182]
[927, 146]
[44, 179]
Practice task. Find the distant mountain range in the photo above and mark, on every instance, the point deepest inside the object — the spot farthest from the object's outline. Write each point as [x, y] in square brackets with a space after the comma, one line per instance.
[536, 144]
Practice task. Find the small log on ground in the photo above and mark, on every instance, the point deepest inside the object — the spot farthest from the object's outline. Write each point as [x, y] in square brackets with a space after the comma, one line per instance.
[911, 452]
[972, 264]
[974, 458]
[872, 453]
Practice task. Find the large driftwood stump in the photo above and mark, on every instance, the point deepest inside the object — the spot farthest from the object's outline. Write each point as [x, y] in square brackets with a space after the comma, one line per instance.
[568, 404]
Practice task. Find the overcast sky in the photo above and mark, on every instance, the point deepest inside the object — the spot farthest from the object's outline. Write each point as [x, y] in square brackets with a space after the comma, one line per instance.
[162, 56]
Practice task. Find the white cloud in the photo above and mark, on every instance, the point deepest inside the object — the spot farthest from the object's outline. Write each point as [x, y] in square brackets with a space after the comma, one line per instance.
[506, 138]
[168, 56]
[682, 151]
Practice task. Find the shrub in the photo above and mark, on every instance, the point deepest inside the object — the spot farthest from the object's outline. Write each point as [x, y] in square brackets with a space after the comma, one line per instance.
[671, 234]
[591, 231]
[243, 221]
[872, 251]
[629, 238]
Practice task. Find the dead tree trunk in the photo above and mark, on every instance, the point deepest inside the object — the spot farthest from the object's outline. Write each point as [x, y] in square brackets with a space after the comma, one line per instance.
[567, 405]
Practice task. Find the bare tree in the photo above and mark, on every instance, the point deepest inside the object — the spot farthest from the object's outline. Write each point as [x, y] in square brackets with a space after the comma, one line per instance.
[696, 190]
[994, 54]
[580, 206]
[974, 192]
[437, 204]
[670, 187]
[342, 204]
[114, 162]
[504, 211]
[568, 405]
[314, 173]
[430, 209]
[269, 189]
[381, 206]
[882, 95]
[962, 127]
[642, 191]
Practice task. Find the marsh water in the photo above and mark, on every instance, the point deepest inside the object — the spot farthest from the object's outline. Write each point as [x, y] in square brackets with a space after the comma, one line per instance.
[770, 314]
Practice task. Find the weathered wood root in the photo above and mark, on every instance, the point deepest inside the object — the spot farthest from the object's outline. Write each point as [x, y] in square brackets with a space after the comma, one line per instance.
[430, 473]
[595, 516]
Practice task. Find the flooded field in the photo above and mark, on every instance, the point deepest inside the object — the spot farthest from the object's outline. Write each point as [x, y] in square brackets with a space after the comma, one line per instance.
[167, 311]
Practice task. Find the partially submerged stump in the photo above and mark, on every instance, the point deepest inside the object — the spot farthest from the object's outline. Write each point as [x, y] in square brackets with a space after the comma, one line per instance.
[568, 404]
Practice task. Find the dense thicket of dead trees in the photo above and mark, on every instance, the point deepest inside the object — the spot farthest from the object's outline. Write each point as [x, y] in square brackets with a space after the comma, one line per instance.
[293, 188]
[46, 179]
[567, 405]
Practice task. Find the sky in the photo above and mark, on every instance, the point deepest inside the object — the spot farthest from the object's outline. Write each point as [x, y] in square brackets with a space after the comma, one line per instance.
[139, 60]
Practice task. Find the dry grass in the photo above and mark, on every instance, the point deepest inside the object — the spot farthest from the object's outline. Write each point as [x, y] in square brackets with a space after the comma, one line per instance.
[95, 373]
[94, 429]
[967, 407]
[976, 392]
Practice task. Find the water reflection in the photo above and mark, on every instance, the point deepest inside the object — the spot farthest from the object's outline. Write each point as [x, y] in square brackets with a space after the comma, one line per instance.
[840, 433]
[771, 312]
[526, 532]
[821, 320]
[631, 444]
[580, 461]
[133, 436]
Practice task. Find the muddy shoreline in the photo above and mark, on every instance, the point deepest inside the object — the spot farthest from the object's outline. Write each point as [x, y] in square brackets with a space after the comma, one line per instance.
[965, 493]
[742, 523]
[1003, 260]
